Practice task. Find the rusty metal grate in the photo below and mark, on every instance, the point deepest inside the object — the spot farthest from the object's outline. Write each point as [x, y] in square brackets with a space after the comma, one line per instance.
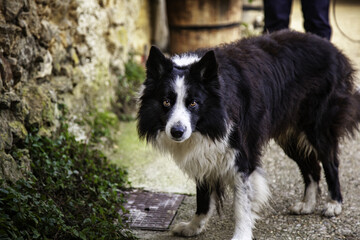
[151, 211]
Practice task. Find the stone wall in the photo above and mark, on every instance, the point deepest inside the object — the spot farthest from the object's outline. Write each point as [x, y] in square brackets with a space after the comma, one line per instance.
[61, 52]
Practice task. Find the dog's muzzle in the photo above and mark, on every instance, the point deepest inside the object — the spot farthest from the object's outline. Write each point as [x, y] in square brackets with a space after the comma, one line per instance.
[178, 131]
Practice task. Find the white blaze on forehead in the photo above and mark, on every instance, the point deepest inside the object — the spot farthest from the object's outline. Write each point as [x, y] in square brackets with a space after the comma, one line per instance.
[185, 59]
[180, 114]
[180, 89]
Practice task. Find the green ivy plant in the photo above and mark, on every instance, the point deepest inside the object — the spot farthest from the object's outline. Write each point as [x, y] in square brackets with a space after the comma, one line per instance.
[73, 192]
[102, 126]
[128, 86]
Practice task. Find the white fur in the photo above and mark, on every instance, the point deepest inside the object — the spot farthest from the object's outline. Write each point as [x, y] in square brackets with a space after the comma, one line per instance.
[180, 114]
[197, 224]
[200, 157]
[250, 194]
[139, 94]
[260, 191]
[192, 228]
[185, 59]
[308, 204]
[332, 208]
[357, 90]
[244, 218]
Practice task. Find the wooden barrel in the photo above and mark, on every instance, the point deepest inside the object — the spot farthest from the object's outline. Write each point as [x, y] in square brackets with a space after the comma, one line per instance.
[202, 23]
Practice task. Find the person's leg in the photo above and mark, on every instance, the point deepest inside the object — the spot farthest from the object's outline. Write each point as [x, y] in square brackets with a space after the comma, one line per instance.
[277, 14]
[316, 17]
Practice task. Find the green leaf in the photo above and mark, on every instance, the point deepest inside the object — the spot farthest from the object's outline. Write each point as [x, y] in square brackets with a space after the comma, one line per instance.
[71, 187]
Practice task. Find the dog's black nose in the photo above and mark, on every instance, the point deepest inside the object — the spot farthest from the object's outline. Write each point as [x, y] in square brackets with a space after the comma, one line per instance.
[177, 131]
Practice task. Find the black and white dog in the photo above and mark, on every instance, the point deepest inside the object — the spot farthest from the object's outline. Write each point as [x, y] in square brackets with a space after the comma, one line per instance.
[214, 110]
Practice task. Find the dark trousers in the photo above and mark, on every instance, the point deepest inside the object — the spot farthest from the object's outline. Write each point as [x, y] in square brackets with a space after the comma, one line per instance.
[315, 13]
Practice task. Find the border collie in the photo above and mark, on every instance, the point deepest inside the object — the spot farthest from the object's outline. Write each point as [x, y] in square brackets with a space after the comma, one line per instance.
[215, 109]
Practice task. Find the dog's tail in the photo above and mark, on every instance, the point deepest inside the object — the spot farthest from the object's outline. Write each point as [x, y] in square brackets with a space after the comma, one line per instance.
[349, 96]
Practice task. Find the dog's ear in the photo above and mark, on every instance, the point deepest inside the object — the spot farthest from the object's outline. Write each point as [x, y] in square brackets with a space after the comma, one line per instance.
[207, 67]
[157, 64]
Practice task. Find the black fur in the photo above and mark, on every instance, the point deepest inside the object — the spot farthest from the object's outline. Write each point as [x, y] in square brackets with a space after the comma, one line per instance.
[284, 86]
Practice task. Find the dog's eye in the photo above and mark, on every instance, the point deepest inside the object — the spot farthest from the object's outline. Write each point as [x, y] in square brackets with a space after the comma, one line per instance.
[166, 103]
[193, 104]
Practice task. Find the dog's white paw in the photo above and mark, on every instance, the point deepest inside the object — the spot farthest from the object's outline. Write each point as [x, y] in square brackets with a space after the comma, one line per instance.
[187, 229]
[332, 208]
[246, 237]
[241, 238]
[303, 208]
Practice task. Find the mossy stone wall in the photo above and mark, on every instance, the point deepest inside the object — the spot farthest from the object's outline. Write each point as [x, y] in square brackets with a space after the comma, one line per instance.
[61, 52]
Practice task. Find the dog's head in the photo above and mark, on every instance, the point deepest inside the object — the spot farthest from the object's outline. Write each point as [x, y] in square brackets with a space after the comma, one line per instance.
[181, 95]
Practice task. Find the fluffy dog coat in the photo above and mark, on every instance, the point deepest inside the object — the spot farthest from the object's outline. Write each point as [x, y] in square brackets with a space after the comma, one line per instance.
[215, 109]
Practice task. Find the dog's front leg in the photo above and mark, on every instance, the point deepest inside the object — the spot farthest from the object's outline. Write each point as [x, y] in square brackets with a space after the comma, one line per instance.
[205, 201]
[244, 218]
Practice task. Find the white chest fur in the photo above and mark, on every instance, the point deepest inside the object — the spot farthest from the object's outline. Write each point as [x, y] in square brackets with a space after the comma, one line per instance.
[200, 157]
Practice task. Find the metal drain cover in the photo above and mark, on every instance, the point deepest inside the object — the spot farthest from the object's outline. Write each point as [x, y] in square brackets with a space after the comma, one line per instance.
[151, 211]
